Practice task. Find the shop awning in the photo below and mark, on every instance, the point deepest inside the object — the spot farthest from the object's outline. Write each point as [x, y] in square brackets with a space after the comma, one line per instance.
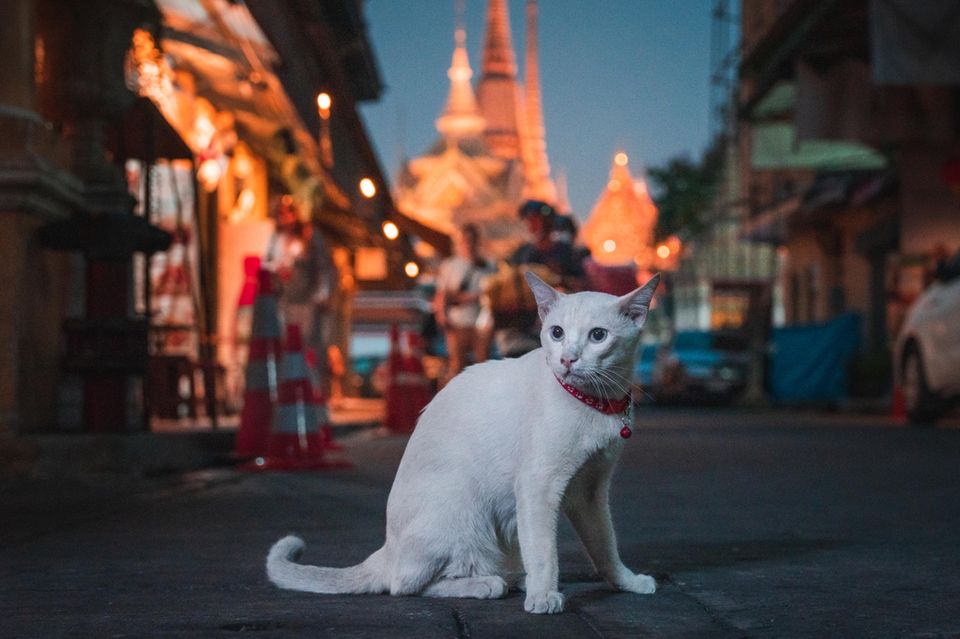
[830, 192]
[774, 145]
[342, 226]
[845, 189]
[438, 240]
[770, 224]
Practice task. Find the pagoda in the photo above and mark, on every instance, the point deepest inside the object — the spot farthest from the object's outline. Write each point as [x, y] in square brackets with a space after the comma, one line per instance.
[619, 231]
[491, 152]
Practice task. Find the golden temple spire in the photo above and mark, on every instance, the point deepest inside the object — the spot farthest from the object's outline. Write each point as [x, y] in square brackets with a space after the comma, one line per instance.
[498, 91]
[461, 118]
[498, 57]
[536, 165]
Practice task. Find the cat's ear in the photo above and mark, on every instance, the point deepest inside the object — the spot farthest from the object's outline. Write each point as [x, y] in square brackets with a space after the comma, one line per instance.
[546, 295]
[636, 304]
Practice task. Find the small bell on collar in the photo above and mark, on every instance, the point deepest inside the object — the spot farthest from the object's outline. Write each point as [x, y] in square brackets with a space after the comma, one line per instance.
[625, 432]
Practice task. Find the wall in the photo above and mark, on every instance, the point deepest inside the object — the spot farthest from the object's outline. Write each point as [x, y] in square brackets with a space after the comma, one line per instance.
[930, 211]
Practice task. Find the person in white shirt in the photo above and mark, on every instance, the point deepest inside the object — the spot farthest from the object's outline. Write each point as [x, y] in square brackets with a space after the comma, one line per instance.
[457, 303]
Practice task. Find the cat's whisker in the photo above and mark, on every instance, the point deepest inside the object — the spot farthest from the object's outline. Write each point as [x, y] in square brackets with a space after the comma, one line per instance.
[595, 377]
[613, 379]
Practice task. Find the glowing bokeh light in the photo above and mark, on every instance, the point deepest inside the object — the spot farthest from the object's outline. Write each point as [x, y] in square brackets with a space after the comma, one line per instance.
[367, 188]
[390, 230]
[209, 173]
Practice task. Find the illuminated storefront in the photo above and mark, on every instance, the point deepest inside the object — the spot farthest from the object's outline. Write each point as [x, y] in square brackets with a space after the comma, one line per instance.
[264, 192]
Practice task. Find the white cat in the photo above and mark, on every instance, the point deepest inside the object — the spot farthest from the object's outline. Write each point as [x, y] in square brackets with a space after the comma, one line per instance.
[494, 458]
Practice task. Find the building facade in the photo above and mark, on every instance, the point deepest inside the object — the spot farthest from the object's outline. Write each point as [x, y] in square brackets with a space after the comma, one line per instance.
[848, 114]
[147, 147]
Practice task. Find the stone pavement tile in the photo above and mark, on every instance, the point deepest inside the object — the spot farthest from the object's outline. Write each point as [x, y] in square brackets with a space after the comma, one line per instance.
[895, 590]
[667, 613]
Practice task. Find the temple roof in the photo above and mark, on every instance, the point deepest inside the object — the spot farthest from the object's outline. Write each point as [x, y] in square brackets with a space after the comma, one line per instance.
[620, 227]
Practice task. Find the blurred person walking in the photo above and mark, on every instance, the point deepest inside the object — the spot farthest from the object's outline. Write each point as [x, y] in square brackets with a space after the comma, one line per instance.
[301, 260]
[551, 254]
[552, 244]
[457, 302]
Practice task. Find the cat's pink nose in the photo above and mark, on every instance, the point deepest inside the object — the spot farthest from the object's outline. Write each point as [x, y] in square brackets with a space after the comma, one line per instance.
[568, 361]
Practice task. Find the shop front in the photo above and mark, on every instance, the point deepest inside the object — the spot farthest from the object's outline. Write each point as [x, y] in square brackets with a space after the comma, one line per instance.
[255, 190]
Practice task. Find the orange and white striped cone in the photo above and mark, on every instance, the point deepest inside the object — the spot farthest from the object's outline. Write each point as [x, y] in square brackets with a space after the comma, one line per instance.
[320, 400]
[295, 443]
[260, 383]
[408, 390]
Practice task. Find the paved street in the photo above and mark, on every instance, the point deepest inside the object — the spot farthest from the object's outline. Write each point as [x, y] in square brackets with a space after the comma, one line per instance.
[757, 524]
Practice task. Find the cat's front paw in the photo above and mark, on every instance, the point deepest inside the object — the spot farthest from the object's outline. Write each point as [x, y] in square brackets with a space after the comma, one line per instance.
[540, 603]
[640, 584]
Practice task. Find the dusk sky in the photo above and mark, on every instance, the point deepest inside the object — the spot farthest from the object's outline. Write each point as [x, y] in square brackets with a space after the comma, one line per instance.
[629, 75]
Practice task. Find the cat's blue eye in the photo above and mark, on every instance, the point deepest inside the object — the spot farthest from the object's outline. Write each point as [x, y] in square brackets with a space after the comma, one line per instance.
[598, 334]
[556, 333]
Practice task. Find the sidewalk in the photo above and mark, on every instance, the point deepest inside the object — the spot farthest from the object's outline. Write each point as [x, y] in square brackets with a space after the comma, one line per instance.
[173, 447]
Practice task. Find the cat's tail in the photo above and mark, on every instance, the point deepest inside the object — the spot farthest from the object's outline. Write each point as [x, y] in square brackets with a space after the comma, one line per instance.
[365, 577]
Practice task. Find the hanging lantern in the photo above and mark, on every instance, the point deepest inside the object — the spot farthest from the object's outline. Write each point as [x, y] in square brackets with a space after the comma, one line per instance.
[209, 174]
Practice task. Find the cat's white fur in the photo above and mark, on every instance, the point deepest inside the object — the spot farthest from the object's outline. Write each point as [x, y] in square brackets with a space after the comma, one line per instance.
[495, 457]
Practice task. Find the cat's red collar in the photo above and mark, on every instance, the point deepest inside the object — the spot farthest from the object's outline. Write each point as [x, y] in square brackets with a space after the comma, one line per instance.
[605, 406]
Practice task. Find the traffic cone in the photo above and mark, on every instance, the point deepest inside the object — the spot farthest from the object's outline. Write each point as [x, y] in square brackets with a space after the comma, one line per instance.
[295, 442]
[242, 329]
[408, 390]
[320, 401]
[260, 383]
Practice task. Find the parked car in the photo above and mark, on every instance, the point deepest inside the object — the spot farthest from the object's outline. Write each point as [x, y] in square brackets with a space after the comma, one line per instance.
[927, 353]
[695, 366]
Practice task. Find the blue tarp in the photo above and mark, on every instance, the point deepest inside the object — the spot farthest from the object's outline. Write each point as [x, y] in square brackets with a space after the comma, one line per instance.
[809, 363]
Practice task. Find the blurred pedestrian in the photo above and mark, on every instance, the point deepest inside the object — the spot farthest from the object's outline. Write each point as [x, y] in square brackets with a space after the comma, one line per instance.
[307, 277]
[551, 244]
[549, 254]
[457, 302]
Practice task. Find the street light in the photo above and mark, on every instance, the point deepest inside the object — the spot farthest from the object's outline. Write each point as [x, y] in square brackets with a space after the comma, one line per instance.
[411, 269]
[324, 101]
[390, 230]
[367, 188]
[323, 105]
